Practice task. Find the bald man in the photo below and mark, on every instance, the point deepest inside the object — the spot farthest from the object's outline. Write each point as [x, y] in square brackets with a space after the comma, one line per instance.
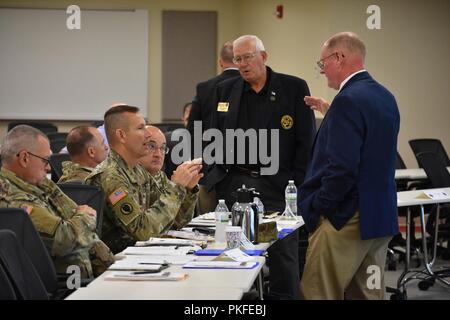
[87, 148]
[348, 200]
[153, 163]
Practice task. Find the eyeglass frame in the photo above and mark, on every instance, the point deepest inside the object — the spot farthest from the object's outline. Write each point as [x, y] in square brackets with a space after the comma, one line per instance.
[244, 58]
[153, 147]
[321, 62]
[46, 161]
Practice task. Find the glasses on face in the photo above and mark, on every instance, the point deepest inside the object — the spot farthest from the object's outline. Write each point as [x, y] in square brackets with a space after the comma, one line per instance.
[45, 160]
[244, 58]
[321, 62]
[153, 147]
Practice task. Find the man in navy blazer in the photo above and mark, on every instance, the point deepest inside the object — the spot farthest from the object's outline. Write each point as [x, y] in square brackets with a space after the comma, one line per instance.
[348, 200]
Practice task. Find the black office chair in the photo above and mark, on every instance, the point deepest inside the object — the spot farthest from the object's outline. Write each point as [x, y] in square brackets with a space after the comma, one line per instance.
[19, 269]
[6, 288]
[430, 145]
[18, 221]
[57, 135]
[169, 166]
[93, 196]
[168, 126]
[56, 144]
[56, 161]
[45, 127]
[435, 167]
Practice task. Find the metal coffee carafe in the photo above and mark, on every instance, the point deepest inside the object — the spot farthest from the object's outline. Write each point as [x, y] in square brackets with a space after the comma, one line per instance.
[245, 213]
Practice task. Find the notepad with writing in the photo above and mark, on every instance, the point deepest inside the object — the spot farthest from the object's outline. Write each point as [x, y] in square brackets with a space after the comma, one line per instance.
[220, 265]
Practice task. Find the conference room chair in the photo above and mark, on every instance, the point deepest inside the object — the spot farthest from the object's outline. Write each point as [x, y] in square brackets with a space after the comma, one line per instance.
[439, 176]
[56, 160]
[18, 221]
[92, 196]
[397, 246]
[6, 288]
[431, 145]
[56, 144]
[169, 167]
[57, 135]
[18, 268]
[45, 127]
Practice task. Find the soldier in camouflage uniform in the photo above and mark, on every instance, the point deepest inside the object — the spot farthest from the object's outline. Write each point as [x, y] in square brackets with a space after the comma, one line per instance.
[153, 163]
[87, 148]
[135, 208]
[67, 230]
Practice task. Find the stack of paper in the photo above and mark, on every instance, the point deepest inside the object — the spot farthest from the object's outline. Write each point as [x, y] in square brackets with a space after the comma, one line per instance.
[161, 251]
[172, 260]
[189, 235]
[170, 241]
[220, 265]
[132, 276]
[130, 264]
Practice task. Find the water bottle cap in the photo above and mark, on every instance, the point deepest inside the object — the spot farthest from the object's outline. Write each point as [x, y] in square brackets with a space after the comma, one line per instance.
[291, 181]
[221, 201]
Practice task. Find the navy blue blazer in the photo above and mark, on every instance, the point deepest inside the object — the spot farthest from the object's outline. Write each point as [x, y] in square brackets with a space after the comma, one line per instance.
[353, 161]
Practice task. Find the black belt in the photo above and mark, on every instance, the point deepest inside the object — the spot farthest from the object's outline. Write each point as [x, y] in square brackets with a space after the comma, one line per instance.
[246, 171]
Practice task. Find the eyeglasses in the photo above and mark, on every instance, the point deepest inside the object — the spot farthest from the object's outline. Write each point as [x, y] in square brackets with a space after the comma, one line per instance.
[153, 147]
[245, 58]
[45, 160]
[321, 62]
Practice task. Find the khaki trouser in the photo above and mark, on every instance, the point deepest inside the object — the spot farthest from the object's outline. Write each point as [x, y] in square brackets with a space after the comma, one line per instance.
[340, 265]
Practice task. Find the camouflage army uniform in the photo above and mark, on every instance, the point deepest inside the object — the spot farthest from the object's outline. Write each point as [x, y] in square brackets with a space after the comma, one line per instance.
[73, 172]
[187, 207]
[69, 237]
[135, 208]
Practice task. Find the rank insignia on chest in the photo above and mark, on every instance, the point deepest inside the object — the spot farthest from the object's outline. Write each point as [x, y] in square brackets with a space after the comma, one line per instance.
[287, 122]
[222, 106]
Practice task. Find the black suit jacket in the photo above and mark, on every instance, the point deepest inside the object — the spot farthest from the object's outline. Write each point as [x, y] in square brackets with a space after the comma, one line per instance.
[203, 102]
[286, 99]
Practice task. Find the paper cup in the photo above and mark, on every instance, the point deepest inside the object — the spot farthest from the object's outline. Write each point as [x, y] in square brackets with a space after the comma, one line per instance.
[233, 236]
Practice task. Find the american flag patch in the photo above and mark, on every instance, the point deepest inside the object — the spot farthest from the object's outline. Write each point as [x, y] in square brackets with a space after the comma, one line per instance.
[28, 209]
[116, 196]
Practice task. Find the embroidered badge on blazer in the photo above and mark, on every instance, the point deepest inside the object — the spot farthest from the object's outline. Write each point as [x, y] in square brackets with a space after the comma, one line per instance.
[222, 106]
[287, 122]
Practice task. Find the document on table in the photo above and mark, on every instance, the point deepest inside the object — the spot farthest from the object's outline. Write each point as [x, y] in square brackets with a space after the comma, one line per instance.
[170, 241]
[133, 276]
[189, 235]
[165, 250]
[220, 265]
[173, 260]
[129, 264]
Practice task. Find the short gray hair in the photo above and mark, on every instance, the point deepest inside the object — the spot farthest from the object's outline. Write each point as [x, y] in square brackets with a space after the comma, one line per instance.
[347, 40]
[19, 138]
[259, 46]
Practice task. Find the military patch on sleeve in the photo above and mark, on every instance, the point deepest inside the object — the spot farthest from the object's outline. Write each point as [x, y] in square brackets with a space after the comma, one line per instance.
[222, 106]
[116, 196]
[28, 209]
[126, 208]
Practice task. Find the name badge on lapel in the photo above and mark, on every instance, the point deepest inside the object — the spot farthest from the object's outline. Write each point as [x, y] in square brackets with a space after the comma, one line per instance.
[222, 106]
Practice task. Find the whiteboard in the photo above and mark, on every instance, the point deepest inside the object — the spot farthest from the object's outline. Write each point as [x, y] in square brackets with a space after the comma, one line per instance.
[48, 72]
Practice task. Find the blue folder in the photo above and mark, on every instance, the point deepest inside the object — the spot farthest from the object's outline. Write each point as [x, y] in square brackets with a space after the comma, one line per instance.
[216, 252]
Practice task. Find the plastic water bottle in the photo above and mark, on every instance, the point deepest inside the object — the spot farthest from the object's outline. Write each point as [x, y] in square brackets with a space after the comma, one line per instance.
[291, 201]
[260, 206]
[222, 218]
